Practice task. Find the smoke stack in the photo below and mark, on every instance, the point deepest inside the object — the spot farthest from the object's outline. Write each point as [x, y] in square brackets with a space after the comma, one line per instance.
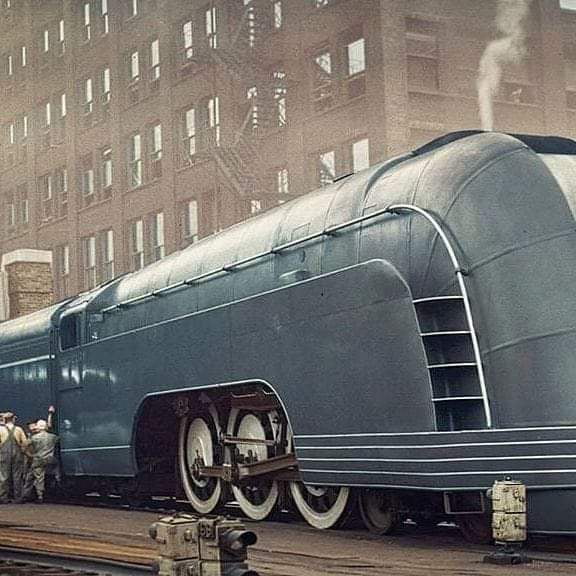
[510, 48]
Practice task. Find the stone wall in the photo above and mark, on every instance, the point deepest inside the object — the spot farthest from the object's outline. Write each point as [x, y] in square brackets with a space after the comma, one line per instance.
[26, 282]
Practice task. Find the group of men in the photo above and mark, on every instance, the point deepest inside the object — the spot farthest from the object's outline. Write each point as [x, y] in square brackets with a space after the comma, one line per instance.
[25, 458]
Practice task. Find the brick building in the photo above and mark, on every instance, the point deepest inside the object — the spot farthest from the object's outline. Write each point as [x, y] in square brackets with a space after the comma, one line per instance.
[131, 128]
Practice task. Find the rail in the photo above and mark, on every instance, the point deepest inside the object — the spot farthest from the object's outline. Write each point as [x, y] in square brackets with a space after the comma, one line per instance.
[331, 231]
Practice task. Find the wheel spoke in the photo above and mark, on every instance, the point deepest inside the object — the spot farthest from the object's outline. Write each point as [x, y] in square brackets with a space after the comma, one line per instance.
[258, 498]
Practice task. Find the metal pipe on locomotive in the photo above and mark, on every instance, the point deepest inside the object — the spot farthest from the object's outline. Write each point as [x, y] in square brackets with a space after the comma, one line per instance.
[398, 340]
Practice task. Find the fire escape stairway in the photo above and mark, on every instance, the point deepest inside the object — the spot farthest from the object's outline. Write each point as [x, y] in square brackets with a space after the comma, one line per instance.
[454, 373]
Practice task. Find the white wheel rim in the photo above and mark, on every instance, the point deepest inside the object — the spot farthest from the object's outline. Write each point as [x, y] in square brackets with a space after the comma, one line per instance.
[317, 518]
[251, 427]
[196, 442]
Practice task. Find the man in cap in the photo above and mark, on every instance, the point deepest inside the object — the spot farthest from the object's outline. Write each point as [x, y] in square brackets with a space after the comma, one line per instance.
[13, 446]
[3, 476]
[43, 446]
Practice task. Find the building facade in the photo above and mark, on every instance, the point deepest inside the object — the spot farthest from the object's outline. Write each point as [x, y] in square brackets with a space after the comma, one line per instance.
[132, 128]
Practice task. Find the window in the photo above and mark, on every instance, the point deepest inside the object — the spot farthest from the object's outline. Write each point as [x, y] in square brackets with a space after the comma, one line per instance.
[88, 97]
[47, 115]
[190, 222]
[422, 55]
[87, 32]
[107, 255]
[156, 150]
[360, 155]
[24, 205]
[89, 260]
[61, 258]
[155, 60]
[106, 175]
[157, 229]
[280, 89]
[135, 161]
[570, 75]
[282, 181]
[87, 180]
[46, 197]
[23, 56]
[45, 41]
[70, 331]
[10, 211]
[136, 245]
[214, 120]
[327, 167]
[61, 180]
[106, 85]
[277, 11]
[255, 206]
[320, 3]
[322, 81]
[211, 27]
[134, 67]
[105, 17]
[25, 131]
[187, 40]
[63, 109]
[356, 57]
[61, 38]
[188, 134]
[11, 133]
[133, 8]
[9, 65]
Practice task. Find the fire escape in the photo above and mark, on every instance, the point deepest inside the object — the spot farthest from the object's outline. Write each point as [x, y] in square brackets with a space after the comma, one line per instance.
[238, 159]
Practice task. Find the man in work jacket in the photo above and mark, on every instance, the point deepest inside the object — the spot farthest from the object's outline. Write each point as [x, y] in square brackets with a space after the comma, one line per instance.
[13, 446]
[43, 446]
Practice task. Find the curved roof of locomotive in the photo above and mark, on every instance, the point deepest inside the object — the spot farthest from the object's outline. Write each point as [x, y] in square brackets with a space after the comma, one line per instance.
[29, 327]
[337, 203]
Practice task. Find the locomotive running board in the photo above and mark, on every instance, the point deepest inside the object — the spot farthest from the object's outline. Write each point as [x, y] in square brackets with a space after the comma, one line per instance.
[280, 467]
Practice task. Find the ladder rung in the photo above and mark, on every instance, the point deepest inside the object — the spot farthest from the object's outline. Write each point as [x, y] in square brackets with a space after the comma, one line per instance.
[457, 398]
[452, 365]
[436, 299]
[446, 333]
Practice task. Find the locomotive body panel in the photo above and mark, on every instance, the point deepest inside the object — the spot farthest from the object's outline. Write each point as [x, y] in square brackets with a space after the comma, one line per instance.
[324, 304]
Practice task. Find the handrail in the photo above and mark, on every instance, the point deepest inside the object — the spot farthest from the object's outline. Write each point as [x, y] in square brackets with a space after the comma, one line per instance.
[399, 208]
[234, 265]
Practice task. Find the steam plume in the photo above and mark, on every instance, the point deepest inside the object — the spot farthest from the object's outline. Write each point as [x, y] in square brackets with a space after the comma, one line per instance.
[510, 48]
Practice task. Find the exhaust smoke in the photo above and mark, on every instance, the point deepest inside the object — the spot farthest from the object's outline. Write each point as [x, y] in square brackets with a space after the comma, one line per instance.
[510, 48]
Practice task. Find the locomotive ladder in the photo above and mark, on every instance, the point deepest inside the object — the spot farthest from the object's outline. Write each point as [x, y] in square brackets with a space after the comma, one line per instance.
[452, 350]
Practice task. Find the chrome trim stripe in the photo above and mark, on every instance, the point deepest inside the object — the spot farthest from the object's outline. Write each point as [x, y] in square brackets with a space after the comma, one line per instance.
[22, 362]
[435, 446]
[95, 448]
[467, 473]
[432, 432]
[431, 460]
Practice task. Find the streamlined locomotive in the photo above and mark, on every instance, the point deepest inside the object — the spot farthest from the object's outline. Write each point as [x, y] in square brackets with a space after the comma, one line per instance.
[395, 342]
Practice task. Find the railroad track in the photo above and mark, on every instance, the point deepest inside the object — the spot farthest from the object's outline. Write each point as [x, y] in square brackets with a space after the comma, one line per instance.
[28, 562]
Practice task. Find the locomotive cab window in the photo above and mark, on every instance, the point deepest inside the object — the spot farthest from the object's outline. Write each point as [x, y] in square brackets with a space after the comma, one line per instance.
[70, 332]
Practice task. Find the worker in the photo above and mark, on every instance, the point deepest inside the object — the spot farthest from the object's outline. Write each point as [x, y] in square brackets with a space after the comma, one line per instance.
[28, 488]
[43, 445]
[3, 478]
[13, 447]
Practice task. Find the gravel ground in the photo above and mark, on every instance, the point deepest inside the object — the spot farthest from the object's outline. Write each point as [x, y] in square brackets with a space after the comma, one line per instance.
[284, 549]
